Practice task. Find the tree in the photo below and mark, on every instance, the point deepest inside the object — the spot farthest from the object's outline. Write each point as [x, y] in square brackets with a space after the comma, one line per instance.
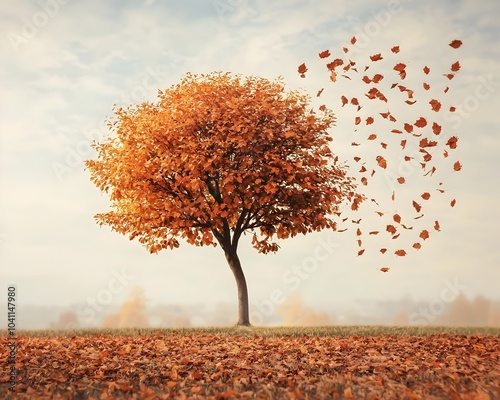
[217, 156]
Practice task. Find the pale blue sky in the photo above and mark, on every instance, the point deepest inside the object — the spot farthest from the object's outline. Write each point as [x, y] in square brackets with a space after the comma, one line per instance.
[65, 65]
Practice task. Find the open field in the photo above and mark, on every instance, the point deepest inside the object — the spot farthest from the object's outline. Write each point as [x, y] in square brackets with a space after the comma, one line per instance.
[356, 362]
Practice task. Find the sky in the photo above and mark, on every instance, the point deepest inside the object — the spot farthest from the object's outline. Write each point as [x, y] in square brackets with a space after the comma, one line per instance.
[66, 63]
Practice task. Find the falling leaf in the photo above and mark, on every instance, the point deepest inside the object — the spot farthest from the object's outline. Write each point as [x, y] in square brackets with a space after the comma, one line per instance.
[395, 49]
[426, 196]
[369, 120]
[417, 206]
[360, 252]
[319, 92]
[436, 226]
[457, 166]
[396, 218]
[400, 253]
[381, 161]
[455, 66]
[384, 269]
[424, 234]
[333, 76]
[426, 86]
[408, 127]
[452, 142]
[435, 105]
[302, 70]
[401, 180]
[417, 246]
[456, 43]
[436, 128]
[353, 40]
[324, 54]
[426, 70]
[383, 250]
[376, 57]
[373, 136]
[344, 100]
[421, 122]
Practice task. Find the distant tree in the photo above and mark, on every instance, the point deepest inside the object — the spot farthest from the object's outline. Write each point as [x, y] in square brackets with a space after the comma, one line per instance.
[219, 155]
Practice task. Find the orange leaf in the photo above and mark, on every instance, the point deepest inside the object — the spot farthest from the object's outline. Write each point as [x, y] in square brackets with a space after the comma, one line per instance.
[426, 86]
[384, 269]
[452, 142]
[373, 136]
[421, 122]
[401, 180]
[400, 253]
[319, 92]
[381, 162]
[456, 43]
[383, 250]
[324, 54]
[403, 144]
[417, 246]
[353, 40]
[426, 70]
[396, 218]
[344, 100]
[360, 252]
[408, 127]
[357, 120]
[453, 202]
[395, 49]
[302, 70]
[424, 234]
[435, 105]
[391, 229]
[436, 226]
[455, 66]
[417, 206]
[376, 57]
[426, 196]
[369, 120]
[436, 128]
[457, 166]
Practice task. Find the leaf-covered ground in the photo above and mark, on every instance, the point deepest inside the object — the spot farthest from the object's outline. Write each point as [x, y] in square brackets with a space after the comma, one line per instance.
[214, 366]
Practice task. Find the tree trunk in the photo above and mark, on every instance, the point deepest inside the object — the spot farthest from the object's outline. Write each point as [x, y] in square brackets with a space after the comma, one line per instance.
[243, 309]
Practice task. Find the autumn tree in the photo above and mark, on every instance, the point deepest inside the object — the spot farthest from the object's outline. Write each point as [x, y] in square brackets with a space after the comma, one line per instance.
[217, 156]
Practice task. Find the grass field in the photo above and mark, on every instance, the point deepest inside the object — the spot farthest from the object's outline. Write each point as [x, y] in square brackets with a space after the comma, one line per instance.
[320, 331]
[350, 362]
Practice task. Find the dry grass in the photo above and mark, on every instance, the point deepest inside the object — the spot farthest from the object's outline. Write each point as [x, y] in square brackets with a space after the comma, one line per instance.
[299, 331]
